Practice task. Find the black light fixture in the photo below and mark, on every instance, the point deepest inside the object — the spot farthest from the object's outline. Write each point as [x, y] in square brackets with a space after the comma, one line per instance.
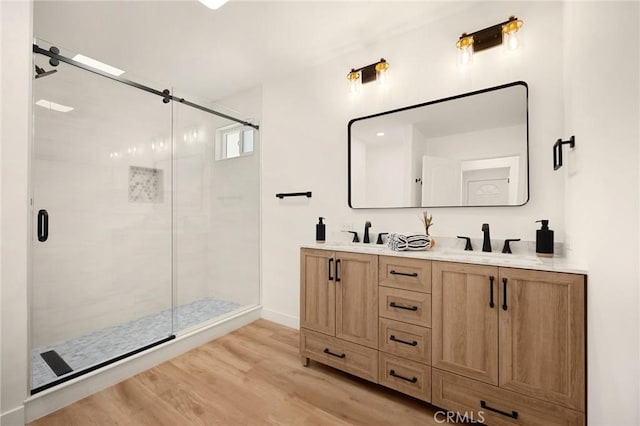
[367, 74]
[505, 33]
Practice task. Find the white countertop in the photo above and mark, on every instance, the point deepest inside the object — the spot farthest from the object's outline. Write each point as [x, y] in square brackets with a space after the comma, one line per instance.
[551, 264]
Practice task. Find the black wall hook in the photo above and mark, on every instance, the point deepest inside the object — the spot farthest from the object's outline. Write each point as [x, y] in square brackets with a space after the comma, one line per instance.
[557, 151]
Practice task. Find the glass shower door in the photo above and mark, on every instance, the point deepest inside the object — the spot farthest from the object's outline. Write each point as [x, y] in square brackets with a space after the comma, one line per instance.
[102, 236]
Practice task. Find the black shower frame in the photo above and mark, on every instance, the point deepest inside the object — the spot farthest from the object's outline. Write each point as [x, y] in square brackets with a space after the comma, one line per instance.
[164, 94]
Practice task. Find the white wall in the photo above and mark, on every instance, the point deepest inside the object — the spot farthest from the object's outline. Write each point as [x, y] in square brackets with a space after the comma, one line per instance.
[16, 69]
[601, 71]
[304, 136]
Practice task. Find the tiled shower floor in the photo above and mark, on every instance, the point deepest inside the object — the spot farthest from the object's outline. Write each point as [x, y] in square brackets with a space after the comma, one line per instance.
[101, 345]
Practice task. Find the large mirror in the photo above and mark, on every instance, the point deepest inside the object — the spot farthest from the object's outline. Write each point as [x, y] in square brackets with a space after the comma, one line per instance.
[465, 150]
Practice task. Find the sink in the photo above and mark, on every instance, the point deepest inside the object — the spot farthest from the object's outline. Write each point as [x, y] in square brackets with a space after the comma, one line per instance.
[485, 257]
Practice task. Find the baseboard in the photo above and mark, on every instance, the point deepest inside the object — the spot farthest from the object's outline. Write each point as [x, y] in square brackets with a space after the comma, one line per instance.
[67, 393]
[280, 318]
[13, 417]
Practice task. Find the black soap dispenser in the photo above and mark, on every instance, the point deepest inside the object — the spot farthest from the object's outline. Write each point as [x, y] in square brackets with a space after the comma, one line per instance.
[544, 239]
[320, 231]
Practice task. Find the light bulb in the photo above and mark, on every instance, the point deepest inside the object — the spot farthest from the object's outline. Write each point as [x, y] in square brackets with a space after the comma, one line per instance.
[465, 50]
[510, 34]
[511, 41]
[465, 55]
[382, 70]
[354, 81]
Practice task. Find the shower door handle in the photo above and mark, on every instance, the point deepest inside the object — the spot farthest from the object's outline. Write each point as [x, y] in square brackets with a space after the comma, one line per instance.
[43, 225]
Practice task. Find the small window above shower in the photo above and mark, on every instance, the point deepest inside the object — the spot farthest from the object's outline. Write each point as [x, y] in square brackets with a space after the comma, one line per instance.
[234, 141]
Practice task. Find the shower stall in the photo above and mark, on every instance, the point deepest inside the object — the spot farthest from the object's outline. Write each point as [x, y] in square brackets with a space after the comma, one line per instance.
[145, 207]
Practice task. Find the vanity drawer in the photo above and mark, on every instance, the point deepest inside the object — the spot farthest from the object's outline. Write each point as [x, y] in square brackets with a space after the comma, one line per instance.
[407, 306]
[405, 376]
[405, 340]
[467, 396]
[350, 357]
[407, 274]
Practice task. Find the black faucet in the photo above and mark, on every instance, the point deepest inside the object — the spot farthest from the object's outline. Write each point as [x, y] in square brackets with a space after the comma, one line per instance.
[486, 244]
[367, 225]
[507, 247]
[468, 246]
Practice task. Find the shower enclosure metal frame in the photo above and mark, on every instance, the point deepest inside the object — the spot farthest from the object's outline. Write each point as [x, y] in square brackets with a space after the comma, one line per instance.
[164, 94]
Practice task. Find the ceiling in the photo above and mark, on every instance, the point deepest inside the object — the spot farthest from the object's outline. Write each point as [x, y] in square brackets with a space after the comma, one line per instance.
[215, 53]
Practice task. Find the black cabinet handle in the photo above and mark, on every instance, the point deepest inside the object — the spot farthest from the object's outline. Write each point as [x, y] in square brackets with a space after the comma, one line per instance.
[513, 414]
[327, 351]
[410, 380]
[395, 339]
[330, 262]
[408, 308]
[504, 295]
[406, 274]
[338, 270]
[43, 226]
[491, 304]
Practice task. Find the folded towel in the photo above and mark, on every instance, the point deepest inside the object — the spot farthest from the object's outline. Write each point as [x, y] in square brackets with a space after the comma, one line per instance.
[401, 242]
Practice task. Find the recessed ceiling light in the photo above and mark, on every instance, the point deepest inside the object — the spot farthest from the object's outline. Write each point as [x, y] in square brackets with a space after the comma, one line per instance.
[53, 106]
[213, 4]
[380, 134]
[98, 65]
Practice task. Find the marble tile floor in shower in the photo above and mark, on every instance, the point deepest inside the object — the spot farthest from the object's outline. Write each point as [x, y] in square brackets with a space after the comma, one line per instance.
[101, 345]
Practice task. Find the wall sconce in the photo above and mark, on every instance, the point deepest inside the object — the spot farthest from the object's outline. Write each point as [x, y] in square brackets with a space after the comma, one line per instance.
[373, 72]
[505, 33]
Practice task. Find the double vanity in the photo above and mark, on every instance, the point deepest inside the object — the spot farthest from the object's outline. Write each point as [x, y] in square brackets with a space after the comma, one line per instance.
[499, 339]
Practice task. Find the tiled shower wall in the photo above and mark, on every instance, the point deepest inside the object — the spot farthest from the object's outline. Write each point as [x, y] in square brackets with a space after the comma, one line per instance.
[108, 195]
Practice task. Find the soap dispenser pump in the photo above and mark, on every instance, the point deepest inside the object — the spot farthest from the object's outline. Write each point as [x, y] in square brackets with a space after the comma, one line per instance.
[320, 230]
[544, 239]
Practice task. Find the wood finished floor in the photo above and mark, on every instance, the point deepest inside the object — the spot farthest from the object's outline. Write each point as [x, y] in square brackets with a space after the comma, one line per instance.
[252, 376]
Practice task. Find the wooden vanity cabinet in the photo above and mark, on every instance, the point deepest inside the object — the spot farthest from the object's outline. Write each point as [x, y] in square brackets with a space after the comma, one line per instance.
[542, 335]
[405, 325]
[507, 344]
[465, 320]
[520, 331]
[338, 319]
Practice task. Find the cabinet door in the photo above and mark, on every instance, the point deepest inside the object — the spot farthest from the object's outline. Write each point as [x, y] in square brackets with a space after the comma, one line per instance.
[317, 291]
[465, 321]
[542, 335]
[357, 298]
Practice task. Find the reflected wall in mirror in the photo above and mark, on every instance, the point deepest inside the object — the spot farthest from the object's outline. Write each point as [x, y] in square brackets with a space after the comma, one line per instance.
[462, 151]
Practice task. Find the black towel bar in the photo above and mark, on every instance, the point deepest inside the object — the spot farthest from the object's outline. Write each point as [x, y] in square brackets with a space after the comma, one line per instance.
[557, 151]
[281, 195]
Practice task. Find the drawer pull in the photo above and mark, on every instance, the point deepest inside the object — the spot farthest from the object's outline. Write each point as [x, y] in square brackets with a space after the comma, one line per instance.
[327, 351]
[411, 380]
[395, 339]
[408, 308]
[406, 274]
[513, 414]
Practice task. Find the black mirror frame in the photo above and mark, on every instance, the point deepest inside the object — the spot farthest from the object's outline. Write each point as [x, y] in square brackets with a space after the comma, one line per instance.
[476, 92]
